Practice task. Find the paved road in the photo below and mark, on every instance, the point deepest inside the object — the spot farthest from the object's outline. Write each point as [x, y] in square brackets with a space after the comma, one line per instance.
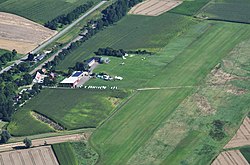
[56, 36]
[53, 56]
[50, 140]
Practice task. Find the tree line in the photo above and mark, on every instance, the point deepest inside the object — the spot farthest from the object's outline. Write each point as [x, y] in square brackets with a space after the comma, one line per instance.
[119, 52]
[67, 19]
[7, 57]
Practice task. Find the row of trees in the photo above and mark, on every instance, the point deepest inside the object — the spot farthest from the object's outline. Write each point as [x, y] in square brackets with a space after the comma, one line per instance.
[67, 19]
[5, 136]
[6, 57]
[119, 53]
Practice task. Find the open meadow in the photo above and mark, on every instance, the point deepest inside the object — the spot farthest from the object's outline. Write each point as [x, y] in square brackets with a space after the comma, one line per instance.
[143, 127]
[39, 11]
[228, 10]
[189, 7]
[131, 33]
[70, 108]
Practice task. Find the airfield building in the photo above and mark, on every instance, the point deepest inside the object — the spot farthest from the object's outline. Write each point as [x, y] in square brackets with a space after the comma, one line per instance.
[73, 80]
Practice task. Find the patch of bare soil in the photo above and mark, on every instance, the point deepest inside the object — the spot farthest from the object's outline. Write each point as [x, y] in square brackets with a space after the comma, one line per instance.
[234, 90]
[21, 34]
[154, 7]
[242, 136]
[233, 157]
[203, 105]
[48, 121]
[219, 77]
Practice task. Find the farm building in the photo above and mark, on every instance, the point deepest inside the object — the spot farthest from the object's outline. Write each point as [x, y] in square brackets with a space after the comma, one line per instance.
[74, 79]
[40, 57]
[91, 61]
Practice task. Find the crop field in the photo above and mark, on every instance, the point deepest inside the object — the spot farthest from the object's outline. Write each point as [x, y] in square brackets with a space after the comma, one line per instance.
[39, 11]
[65, 154]
[154, 7]
[229, 10]
[189, 7]
[21, 34]
[143, 127]
[241, 137]
[73, 109]
[39, 155]
[230, 158]
[132, 33]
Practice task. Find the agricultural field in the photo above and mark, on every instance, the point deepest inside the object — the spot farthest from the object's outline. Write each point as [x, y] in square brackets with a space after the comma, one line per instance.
[73, 109]
[189, 8]
[39, 11]
[39, 155]
[228, 10]
[154, 7]
[21, 34]
[241, 138]
[132, 33]
[181, 98]
[230, 158]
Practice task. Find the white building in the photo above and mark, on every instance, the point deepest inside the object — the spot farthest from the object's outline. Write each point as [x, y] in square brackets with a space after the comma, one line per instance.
[74, 79]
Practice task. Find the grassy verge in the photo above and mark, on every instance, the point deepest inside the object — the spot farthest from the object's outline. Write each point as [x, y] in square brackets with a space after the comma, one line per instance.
[65, 154]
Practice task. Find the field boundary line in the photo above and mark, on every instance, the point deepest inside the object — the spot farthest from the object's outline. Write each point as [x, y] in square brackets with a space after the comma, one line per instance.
[164, 88]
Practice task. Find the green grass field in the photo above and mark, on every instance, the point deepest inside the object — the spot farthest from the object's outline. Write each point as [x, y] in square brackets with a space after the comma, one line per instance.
[132, 32]
[39, 11]
[71, 108]
[246, 153]
[75, 153]
[65, 154]
[230, 10]
[2, 51]
[189, 7]
[84, 153]
[143, 128]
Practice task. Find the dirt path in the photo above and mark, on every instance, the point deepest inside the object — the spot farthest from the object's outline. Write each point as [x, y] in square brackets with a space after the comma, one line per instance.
[50, 140]
[162, 88]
